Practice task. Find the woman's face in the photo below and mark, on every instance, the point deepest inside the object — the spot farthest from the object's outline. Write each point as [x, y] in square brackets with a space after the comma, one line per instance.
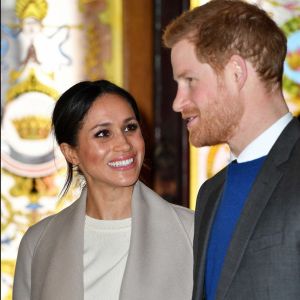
[110, 148]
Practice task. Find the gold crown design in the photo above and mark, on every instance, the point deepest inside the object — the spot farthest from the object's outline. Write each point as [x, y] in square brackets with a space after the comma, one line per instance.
[30, 84]
[31, 8]
[33, 127]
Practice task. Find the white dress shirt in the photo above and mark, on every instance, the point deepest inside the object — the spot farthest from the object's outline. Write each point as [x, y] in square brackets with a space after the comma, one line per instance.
[262, 145]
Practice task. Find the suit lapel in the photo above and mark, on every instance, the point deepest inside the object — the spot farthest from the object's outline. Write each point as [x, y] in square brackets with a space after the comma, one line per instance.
[207, 203]
[258, 198]
[255, 204]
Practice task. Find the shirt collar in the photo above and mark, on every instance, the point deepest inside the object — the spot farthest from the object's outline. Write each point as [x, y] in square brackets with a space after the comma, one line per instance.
[264, 142]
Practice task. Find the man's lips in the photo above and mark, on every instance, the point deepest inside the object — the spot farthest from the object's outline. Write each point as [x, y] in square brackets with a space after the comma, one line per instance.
[190, 121]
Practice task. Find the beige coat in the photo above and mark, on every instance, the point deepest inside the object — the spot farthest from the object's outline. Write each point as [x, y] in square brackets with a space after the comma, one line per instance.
[159, 265]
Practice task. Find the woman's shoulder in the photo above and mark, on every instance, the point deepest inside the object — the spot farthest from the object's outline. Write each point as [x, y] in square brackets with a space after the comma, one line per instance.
[184, 212]
[186, 217]
[32, 236]
[183, 215]
[36, 231]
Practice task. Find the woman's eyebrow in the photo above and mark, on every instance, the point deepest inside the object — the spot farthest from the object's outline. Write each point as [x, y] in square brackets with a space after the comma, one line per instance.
[104, 124]
[107, 124]
[129, 119]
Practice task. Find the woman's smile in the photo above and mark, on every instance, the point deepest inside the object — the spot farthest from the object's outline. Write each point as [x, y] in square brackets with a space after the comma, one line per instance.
[122, 164]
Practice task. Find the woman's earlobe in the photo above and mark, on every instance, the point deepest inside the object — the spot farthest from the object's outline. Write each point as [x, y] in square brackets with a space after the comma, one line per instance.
[69, 153]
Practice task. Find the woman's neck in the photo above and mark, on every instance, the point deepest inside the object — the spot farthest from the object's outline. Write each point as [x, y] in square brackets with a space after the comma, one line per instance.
[109, 203]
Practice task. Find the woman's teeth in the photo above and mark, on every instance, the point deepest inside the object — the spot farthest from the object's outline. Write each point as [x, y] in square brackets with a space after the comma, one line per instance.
[121, 163]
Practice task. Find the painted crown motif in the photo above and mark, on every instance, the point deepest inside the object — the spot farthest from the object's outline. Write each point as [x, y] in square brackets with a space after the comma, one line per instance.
[33, 127]
[31, 8]
[30, 84]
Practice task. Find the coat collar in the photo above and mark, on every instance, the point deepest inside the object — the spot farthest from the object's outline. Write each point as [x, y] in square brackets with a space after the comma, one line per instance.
[155, 230]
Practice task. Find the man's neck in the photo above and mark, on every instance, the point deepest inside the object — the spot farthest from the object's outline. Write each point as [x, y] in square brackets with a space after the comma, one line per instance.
[259, 115]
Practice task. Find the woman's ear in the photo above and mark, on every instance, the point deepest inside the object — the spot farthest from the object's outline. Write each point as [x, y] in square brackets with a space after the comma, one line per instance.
[239, 70]
[69, 153]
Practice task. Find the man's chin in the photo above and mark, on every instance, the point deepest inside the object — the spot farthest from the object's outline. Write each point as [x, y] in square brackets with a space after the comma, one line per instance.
[198, 141]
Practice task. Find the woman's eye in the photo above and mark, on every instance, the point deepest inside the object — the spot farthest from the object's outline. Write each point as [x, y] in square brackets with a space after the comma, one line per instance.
[131, 127]
[103, 133]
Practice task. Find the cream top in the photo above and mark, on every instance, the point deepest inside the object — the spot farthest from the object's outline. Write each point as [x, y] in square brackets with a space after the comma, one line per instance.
[106, 245]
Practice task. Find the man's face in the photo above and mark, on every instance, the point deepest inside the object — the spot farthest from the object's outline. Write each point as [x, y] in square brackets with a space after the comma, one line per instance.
[208, 102]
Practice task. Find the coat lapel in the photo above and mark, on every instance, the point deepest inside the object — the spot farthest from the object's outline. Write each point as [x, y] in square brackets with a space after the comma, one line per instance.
[155, 230]
[261, 193]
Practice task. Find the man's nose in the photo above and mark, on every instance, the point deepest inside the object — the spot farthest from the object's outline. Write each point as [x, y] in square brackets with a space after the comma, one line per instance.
[179, 101]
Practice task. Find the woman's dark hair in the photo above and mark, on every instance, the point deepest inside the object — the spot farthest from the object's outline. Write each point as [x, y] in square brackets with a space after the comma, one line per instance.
[73, 105]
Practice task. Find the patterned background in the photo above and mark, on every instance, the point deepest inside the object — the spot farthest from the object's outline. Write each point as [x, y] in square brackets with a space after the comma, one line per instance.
[46, 46]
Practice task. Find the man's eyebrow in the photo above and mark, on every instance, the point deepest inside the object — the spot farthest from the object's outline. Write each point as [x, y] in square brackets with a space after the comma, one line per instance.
[180, 75]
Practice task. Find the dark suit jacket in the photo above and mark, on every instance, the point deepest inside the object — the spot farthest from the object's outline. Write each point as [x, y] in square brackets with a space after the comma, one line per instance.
[263, 258]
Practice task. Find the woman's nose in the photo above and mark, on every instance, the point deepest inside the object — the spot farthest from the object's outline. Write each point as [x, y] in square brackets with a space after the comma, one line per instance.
[122, 143]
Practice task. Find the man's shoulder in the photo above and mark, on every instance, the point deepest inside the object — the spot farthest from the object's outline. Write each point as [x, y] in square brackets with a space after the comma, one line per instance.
[215, 180]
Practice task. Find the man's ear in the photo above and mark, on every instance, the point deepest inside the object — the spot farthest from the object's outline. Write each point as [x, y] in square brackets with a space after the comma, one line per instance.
[69, 153]
[239, 69]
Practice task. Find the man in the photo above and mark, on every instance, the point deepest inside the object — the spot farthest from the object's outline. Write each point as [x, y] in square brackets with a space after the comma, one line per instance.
[227, 58]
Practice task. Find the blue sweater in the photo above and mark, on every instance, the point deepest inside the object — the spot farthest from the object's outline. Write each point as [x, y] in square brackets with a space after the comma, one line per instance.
[239, 181]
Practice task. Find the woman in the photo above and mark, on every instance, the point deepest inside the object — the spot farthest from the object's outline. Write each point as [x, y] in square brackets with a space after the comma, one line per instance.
[119, 240]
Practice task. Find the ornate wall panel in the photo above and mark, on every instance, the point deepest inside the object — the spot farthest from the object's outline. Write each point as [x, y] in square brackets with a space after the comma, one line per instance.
[207, 161]
[170, 157]
[46, 46]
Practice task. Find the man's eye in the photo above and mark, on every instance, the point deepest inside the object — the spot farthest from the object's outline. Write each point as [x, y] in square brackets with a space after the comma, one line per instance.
[103, 133]
[131, 127]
